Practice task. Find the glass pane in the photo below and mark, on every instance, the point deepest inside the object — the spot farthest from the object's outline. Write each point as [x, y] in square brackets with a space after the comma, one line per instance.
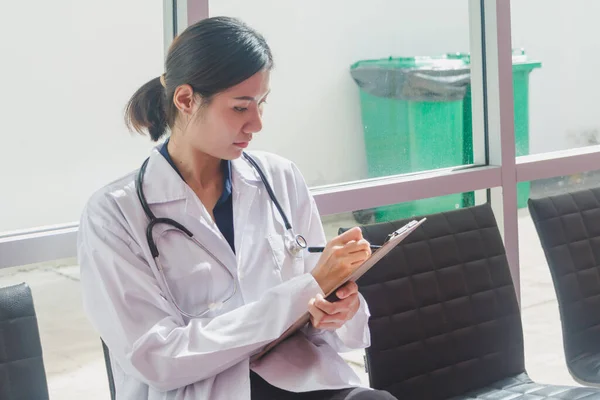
[555, 74]
[397, 121]
[73, 66]
[545, 358]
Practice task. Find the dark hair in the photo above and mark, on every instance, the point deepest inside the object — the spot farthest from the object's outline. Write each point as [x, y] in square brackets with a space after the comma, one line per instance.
[211, 56]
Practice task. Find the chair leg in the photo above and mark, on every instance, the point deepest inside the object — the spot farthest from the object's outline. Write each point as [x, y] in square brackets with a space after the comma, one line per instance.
[111, 380]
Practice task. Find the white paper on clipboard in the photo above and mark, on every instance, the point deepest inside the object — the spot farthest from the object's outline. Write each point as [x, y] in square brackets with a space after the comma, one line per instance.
[392, 241]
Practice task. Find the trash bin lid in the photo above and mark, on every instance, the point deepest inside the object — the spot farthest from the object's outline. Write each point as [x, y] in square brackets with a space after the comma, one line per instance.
[522, 63]
[413, 78]
[419, 62]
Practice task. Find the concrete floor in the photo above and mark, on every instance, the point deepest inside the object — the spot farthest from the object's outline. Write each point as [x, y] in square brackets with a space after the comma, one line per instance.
[73, 356]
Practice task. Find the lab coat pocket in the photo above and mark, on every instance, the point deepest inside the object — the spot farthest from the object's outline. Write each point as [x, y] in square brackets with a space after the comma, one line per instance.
[194, 278]
[288, 266]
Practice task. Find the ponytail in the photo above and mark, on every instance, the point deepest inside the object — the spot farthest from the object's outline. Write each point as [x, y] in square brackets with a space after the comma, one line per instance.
[146, 110]
[211, 56]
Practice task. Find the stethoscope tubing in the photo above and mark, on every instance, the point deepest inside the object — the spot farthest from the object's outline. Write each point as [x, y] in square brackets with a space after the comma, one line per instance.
[299, 242]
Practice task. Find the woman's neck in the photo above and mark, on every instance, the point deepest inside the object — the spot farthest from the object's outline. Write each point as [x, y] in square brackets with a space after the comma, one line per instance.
[199, 170]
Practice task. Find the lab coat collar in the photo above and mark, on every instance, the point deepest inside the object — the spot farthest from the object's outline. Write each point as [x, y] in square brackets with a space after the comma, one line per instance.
[243, 169]
[162, 184]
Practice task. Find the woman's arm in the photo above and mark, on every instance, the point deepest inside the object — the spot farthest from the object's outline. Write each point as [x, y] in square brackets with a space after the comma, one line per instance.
[355, 333]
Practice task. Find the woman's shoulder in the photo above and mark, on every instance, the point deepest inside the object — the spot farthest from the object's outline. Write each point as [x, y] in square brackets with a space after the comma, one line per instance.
[107, 201]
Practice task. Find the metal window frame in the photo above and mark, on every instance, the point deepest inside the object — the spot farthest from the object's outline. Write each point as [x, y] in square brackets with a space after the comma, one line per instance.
[559, 163]
[500, 124]
[361, 195]
[497, 169]
[179, 14]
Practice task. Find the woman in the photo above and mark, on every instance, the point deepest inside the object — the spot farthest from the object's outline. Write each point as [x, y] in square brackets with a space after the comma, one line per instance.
[182, 308]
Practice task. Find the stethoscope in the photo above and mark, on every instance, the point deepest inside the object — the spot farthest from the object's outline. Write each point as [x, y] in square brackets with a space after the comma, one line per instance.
[294, 243]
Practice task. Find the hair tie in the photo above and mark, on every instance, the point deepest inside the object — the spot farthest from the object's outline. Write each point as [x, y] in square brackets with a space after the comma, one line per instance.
[162, 81]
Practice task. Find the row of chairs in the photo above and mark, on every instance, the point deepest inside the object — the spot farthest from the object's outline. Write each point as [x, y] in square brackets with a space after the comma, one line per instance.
[445, 322]
[445, 319]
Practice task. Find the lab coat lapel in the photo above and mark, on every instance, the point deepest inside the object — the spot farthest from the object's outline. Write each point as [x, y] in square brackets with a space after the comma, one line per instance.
[170, 197]
[245, 181]
[205, 230]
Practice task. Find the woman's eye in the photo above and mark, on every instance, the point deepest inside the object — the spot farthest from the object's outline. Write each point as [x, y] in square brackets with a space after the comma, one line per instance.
[240, 109]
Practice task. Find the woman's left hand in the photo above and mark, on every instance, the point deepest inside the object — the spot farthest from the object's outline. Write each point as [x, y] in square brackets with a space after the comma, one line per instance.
[331, 316]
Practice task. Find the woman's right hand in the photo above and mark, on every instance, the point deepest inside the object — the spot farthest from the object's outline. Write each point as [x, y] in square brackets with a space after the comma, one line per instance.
[340, 258]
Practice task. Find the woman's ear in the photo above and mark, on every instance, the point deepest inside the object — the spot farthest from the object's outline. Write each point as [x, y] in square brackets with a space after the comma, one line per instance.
[184, 99]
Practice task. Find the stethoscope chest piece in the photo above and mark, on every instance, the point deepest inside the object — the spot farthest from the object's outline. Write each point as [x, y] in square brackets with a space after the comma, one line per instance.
[295, 243]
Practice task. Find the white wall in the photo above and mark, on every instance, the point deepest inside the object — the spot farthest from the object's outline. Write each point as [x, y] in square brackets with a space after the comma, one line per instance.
[67, 70]
[564, 97]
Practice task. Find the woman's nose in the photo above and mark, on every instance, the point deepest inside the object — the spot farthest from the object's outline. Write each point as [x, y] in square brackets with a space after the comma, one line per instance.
[254, 125]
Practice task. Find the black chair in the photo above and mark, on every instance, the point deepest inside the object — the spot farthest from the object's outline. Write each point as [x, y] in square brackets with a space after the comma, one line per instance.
[445, 322]
[569, 229]
[22, 373]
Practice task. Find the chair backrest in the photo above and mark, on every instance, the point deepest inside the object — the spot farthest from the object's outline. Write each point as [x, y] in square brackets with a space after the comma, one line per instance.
[22, 373]
[444, 313]
[569, 229]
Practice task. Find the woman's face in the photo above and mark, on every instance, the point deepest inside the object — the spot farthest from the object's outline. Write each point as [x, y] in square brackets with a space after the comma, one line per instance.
[224, 127]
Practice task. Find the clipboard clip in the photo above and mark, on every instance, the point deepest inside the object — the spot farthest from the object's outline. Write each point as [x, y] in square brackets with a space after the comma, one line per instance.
[400, 231]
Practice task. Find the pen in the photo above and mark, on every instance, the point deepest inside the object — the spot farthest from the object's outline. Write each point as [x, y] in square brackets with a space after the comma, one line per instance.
[320, 249]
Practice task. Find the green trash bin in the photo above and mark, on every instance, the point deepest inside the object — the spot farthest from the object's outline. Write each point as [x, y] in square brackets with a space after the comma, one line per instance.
[522, 67]
[412, 114]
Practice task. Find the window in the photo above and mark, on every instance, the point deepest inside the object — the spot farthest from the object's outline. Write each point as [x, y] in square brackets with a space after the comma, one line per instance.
[73, 67]
[317, 115]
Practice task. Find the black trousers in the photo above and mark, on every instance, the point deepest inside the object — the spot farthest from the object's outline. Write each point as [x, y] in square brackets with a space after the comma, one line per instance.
[263, 390]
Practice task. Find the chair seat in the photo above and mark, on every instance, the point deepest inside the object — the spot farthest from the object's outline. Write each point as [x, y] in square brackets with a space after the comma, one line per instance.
[521, 387]
[586, 369]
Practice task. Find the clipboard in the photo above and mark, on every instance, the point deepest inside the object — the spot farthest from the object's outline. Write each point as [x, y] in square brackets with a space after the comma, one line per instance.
[392, 240]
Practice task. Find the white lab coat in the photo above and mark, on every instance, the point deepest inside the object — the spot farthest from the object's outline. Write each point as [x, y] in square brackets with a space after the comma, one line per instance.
[156, 352]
